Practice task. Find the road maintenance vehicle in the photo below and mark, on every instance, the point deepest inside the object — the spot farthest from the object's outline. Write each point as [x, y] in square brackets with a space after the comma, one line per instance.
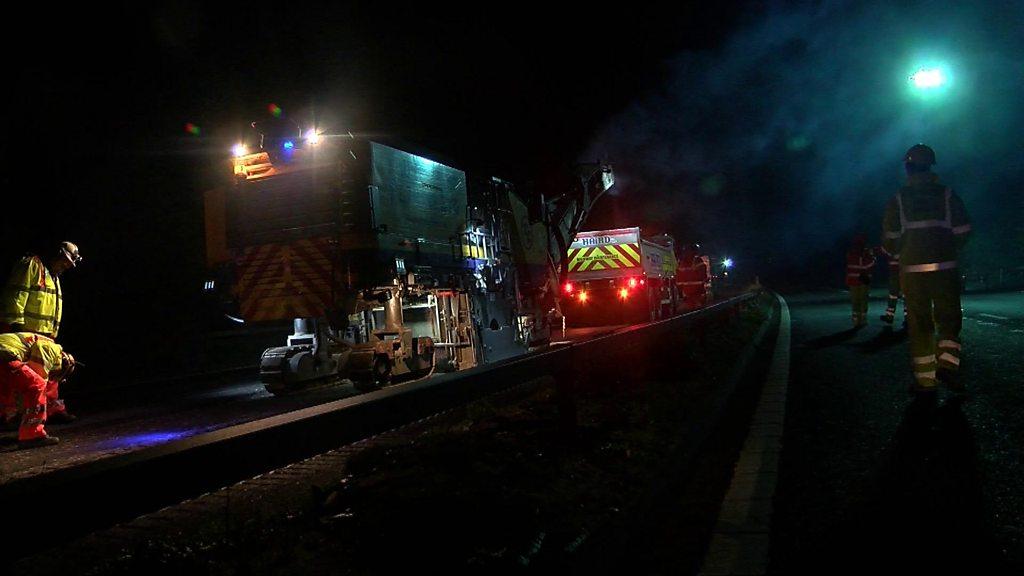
[387, 262]
[618, 277]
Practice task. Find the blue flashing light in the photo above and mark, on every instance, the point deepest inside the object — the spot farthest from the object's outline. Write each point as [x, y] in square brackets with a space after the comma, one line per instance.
[288, 145]
[727, 262]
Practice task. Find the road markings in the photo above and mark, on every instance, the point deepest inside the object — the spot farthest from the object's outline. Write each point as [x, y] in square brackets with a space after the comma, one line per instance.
[993, 316]
[740, 540]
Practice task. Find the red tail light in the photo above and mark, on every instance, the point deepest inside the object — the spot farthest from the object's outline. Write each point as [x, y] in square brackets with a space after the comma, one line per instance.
[583, 296]
[623, 293]
[642, 281]
[569, 287]
[632, 282]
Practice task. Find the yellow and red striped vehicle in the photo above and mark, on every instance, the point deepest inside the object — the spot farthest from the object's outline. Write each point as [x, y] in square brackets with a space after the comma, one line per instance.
[617, 276]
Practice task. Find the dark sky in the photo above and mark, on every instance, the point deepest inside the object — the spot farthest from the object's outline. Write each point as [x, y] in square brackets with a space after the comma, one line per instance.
[787, 138]
[766, 130]
[98, 102]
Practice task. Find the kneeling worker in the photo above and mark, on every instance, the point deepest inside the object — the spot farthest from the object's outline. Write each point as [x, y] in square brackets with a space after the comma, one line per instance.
[27, 362]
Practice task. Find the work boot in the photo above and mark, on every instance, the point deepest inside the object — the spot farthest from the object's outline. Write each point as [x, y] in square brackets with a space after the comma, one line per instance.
[38, 442]
[61, 418]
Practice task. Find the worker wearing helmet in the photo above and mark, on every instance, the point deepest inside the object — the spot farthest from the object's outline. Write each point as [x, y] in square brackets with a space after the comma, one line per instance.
[693, 277]
[859, 262]
[33, 302]
[28, 361]
[926, 224]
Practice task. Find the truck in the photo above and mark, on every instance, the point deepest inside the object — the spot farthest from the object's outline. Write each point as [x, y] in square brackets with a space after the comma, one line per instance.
[618, 277]
[389, 264]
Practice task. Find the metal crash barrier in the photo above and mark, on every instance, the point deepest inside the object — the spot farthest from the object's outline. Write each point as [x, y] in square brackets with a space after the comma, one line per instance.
[101, 493]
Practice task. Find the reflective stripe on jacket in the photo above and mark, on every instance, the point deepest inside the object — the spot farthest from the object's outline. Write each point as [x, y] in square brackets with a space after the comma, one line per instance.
[859, 262]
[925, 223]
[42, 354]
[695, 277]
[894, 260]
[33, 298]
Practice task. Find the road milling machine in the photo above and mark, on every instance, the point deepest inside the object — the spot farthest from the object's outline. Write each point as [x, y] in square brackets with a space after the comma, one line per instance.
[389, 264]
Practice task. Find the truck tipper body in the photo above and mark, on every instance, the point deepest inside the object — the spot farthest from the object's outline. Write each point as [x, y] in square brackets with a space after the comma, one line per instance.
[617, 275]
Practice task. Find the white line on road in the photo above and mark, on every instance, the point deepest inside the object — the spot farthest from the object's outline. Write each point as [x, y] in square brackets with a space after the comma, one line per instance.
[993, 316]
[740, 540]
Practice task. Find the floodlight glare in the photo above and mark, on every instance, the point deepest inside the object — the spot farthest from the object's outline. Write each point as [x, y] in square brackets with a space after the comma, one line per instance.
[927, 78]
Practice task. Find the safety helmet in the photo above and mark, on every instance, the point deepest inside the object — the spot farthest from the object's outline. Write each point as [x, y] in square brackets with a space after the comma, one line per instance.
[69, 250]
[919, 154]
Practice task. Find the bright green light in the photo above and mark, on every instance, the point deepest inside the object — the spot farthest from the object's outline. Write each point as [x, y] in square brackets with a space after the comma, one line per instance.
[927, 78]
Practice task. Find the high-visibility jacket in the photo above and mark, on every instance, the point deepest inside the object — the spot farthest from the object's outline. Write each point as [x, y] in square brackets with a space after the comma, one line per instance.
[925, 223]
[32, 298]
[894, 261]
[695, 278]
[42, 354]
[859, 262]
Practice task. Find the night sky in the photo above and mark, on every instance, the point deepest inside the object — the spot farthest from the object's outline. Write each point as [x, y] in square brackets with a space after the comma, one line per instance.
[768, 131]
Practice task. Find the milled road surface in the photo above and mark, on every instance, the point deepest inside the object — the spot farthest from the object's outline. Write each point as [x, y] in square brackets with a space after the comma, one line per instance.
[871, 480]
[131, 418]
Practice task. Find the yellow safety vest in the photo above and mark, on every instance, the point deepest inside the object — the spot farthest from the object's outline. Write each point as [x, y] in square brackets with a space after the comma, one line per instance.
[40, 353]
[926, 224]
[32, 298]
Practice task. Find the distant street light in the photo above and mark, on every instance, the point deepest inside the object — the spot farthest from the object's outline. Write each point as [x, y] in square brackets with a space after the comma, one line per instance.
[727, 263]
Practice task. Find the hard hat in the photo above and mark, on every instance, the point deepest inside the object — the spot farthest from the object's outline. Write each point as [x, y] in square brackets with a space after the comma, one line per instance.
[919, 154]
[70, 251]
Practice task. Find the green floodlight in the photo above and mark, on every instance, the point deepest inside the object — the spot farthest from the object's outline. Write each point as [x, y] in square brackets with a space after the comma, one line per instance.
[928, 78]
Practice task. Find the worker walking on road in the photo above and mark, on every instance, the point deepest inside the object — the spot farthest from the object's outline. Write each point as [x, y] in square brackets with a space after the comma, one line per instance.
[926, 224]
[28, 362]
[895, 290]
[859, 262]
[33, 302]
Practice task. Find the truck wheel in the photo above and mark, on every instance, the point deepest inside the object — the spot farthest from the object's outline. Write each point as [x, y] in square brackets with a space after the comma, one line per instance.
[381, 371]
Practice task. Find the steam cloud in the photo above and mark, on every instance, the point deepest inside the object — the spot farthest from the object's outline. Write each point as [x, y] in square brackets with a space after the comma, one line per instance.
[789, 137]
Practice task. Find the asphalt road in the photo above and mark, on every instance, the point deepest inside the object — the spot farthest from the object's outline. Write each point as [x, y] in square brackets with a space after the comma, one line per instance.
[133, 417]
[871, 480]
